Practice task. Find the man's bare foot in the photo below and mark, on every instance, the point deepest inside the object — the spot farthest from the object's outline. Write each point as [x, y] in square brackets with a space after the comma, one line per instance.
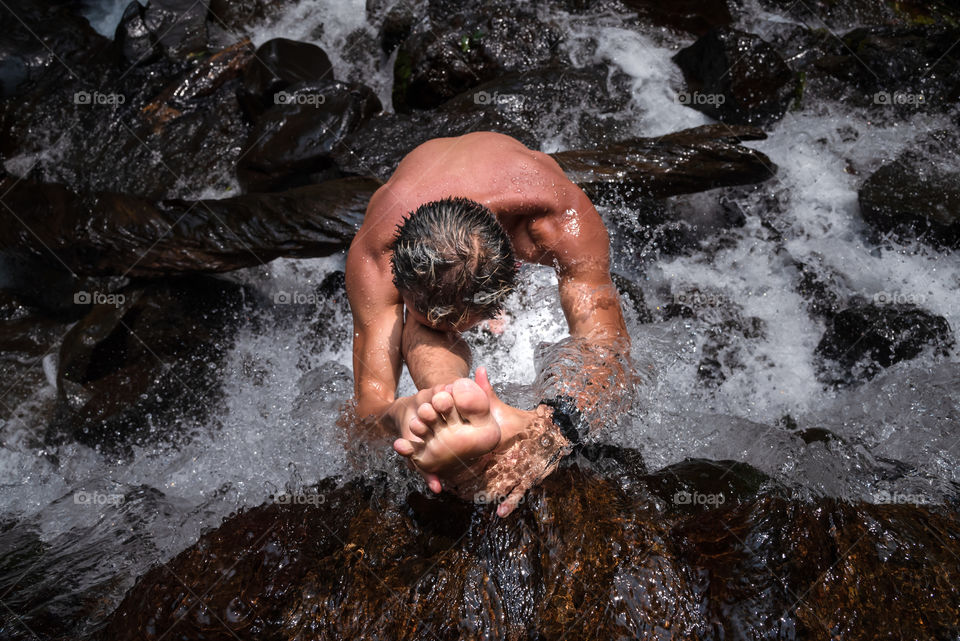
[455, 429]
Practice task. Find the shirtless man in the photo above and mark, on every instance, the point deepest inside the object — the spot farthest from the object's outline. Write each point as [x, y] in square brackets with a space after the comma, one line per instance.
[441, 241]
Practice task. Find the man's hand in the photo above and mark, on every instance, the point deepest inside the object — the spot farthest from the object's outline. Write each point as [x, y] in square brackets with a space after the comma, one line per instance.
[530, 450]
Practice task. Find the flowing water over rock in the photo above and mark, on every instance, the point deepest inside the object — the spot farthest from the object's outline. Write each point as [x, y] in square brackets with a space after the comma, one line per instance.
[172, 463]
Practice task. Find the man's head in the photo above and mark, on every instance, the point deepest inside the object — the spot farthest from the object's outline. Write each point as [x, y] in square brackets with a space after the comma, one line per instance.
[453, 263]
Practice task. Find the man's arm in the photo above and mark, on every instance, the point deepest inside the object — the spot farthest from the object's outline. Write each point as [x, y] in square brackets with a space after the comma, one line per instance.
[377, 329]
[577, 244]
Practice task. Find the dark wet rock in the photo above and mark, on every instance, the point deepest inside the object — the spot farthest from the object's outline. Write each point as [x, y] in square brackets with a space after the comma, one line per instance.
[293, 142]
[901, 68]
[40, 36]
[146, 358]
[592, 553]
[178, 27]
[863, 339]
[736, 77]
[723, 348]
[914, 197]
[133, 40]
[693, 16]
[844, 559]
[522, 105]
[687, 161]
[163, 129]
[819, 287]
[278, 64]
[396, 19]
[630, 292]
[461, 45]
[114, 234]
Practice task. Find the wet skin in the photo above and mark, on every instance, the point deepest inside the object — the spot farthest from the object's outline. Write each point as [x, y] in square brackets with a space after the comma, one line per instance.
[453, 424]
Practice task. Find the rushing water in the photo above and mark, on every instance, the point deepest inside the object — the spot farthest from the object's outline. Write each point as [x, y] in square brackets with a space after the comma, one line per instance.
[100, 522]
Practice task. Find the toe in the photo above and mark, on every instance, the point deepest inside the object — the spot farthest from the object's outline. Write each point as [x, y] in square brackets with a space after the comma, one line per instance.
[418, 427]
[470, 400]
[404, 447]
[444, 405]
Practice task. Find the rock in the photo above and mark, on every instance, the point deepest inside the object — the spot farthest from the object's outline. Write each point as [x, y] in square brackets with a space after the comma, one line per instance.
[631, 293]
[146, 358]
[179, 27]
[461, 45]
[723, 348]
[134, 42]
[863, 339]
[158, 130]
[687, 161]
[693, 16]
[914, 198]
[591, 554]
[39, 37]
[519, 104]
[114, 234]
[293, 142]
[818, 286]
[395, 18]
[278, 64]
[900, 68]
[736, 77]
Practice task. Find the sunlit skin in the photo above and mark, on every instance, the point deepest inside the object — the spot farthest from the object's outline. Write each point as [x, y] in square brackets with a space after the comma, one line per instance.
[454, 422]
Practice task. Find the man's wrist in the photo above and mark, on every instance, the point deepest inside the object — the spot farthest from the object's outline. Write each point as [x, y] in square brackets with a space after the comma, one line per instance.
[567, 418]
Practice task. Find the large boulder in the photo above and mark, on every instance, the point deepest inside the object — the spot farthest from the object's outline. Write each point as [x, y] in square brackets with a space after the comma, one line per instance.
[293, 142]
[862, 340]
[277, 64]
[736, 77]
[683, 162]
[113, 234]
[460, 45]
[914, 198]
[599, 551]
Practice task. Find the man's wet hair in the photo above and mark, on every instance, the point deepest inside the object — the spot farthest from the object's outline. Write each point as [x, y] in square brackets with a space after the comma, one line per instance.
[454, 259]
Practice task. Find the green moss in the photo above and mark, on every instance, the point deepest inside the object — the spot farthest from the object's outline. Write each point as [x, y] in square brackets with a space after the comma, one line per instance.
[798, 92]
[402, 70]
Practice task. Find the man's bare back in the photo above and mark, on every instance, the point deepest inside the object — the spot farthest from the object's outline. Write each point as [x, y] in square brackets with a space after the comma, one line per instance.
[454, 424]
